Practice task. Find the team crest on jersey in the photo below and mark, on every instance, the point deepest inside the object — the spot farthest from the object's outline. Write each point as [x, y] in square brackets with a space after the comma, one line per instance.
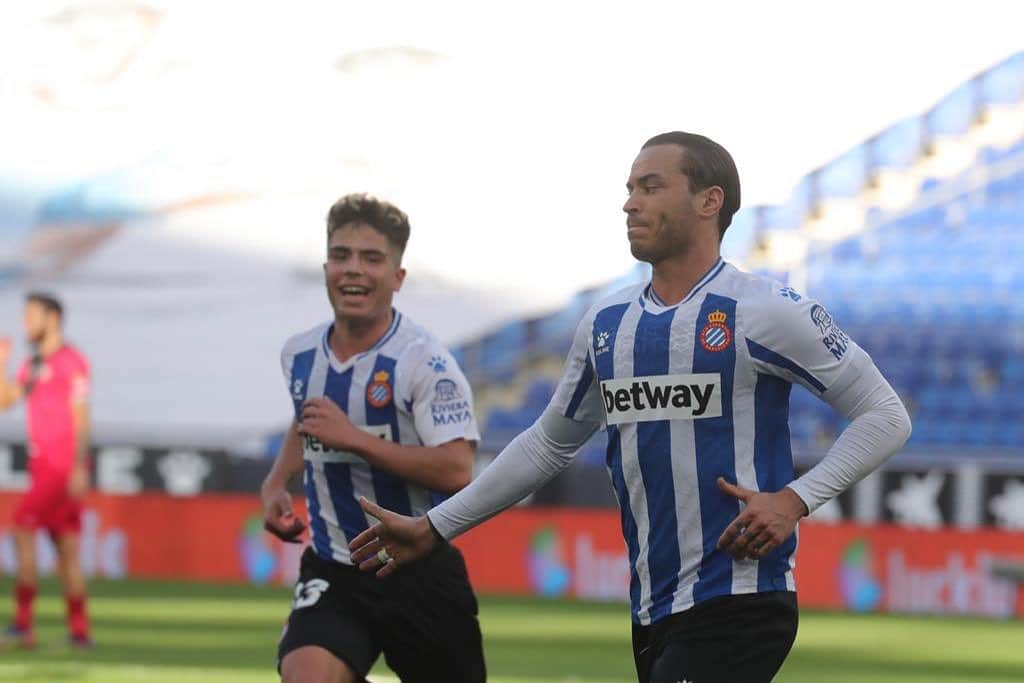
[716, 336]
[378, 394]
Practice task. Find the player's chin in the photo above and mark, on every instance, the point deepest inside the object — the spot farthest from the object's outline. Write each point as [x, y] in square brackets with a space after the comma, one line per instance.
[643, 250]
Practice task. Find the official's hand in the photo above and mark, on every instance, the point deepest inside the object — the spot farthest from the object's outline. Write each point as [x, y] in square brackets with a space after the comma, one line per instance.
[325, 421]
[78, 481]
[766, 521]
[403, 540]
[278, 516]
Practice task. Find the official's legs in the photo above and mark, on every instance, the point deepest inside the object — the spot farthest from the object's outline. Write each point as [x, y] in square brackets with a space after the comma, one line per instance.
[739, 639]
[69, 567]
[26, 578]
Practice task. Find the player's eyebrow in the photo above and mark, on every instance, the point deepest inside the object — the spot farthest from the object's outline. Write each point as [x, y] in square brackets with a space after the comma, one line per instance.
[644, 180]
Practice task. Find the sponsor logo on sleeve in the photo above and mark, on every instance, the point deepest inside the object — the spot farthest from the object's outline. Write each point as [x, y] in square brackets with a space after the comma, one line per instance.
[378, 393]
[437, 364]
[446, 390]
[716, 336]
[834, 339]
[663, 397]
[449, 406]
[601, 343]
[297, 389]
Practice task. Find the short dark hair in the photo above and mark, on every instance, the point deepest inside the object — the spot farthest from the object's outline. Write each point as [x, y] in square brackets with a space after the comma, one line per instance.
[382, 216]
[49, 302]
[706, 163]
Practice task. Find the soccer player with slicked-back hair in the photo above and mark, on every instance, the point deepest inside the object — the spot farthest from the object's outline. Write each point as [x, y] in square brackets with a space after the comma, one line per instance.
[382, 411]
[690, 376]
[54, 384]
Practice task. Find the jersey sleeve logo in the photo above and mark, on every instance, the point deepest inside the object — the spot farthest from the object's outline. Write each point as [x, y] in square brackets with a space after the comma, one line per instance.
[437, 364]
[716, 335]
[378, 393]
[834, 339]
[446, 390]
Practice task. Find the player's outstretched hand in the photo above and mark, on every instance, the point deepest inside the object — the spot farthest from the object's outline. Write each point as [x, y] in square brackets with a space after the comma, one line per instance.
[767, 520]
[278, 516]
[394, 541]
[5, 350]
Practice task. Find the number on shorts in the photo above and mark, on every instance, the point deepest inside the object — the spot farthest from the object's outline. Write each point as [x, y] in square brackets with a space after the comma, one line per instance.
[308, 593]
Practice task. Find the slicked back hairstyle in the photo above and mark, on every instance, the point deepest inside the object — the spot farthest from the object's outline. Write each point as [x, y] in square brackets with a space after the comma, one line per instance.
[49, 302]
[382, 216]
[707, 164]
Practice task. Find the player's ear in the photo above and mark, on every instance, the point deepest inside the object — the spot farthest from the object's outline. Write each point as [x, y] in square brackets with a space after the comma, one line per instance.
[710, 201]
[399, 278]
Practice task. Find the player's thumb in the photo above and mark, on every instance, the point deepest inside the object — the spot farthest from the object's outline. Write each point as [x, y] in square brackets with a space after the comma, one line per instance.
[737, 492]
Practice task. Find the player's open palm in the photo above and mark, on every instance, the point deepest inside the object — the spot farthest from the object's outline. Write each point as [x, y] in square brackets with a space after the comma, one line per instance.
[765, 523]
[393, 541]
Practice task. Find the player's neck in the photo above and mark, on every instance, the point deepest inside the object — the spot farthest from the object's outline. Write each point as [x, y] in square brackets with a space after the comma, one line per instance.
[674, 277]
[352, 336]
[50, 344]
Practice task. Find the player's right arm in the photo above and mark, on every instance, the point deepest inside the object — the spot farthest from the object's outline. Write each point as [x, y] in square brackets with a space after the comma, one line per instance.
[278, 516]
[526, 464]
[10, 392]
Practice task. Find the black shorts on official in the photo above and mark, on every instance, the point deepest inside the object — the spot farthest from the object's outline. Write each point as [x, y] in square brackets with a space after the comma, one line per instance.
[423, 618]
[729, 639]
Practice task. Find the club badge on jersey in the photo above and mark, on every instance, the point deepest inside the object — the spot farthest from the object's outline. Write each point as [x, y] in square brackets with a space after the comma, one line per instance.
[716, 335]
[378, 392]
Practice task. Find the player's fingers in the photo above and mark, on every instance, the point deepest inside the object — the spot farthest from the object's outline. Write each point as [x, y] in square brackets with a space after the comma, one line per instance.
[375, 511]
[367, 536]
[759, 545]
[287, 534]
[387, 569]
[737, 492]
[367, 552]
[733, 531]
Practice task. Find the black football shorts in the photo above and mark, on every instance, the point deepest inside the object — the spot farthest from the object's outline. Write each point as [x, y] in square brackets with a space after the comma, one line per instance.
[423, 618]
[729, 639]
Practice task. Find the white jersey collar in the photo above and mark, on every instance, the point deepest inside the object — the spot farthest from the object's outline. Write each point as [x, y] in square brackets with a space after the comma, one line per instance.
[338, 366]
[650, 300]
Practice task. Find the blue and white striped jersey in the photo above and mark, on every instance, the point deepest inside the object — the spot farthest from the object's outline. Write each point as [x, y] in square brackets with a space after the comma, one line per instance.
[688, 393]
[408, 389]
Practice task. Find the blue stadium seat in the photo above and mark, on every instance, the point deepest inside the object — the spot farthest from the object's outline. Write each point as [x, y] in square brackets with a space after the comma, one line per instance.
[955, 113]
[899, 146]
[1004, 84]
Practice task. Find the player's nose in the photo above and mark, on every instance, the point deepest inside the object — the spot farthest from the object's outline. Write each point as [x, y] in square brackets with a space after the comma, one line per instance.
[631, 206]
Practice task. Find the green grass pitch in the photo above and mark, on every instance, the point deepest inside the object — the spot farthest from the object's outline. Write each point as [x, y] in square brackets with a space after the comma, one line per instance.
[176, 632]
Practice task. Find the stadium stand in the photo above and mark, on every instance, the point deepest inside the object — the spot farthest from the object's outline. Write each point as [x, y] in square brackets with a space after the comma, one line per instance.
[913, 239]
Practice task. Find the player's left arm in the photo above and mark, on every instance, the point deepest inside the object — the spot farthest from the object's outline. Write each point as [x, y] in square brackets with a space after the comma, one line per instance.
[78, 482]
[798, 341]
